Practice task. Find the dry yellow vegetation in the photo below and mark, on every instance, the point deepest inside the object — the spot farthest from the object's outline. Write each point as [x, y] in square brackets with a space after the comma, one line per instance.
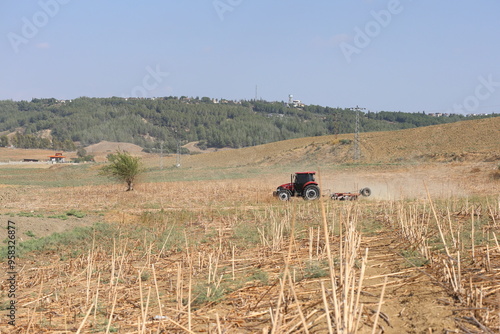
[477, 140]
[205, 248]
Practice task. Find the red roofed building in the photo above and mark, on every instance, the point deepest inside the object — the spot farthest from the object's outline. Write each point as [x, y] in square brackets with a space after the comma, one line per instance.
[58, 157]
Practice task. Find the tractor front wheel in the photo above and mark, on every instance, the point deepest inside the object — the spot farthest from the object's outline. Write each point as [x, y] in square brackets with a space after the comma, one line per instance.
[311, 193]
[284, 195]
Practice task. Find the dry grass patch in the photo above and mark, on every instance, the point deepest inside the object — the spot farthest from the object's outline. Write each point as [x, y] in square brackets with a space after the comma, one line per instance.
[287, 267]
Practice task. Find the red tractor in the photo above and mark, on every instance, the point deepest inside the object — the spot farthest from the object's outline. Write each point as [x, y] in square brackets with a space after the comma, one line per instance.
[302, 184]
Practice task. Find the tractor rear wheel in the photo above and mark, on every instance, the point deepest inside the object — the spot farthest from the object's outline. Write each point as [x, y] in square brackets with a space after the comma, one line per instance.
[311, 193]
[284, 195]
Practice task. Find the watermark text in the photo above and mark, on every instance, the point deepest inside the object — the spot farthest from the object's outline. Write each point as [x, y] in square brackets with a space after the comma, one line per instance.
[31, 26]
[483, 91]
[11, 272]
[150, 82]
[224, 6]
[364, 36]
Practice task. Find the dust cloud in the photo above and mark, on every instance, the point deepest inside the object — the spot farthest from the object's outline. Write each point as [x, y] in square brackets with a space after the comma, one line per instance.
[396, 185]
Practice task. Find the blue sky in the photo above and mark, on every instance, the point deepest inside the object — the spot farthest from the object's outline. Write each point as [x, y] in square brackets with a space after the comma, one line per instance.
[397, 55]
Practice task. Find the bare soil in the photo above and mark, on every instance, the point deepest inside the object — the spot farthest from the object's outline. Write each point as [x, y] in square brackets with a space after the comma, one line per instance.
[414, 302]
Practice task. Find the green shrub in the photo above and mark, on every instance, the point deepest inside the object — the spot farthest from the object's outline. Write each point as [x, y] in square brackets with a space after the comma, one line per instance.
[208, 293]
[345, 141]
[63, 217]
[29, 214]
[414, 258]
[77, 214]
[315, 269]
[259, 275]
[30, 234]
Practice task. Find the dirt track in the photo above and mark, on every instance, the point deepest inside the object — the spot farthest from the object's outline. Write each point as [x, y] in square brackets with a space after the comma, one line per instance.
[413, 302]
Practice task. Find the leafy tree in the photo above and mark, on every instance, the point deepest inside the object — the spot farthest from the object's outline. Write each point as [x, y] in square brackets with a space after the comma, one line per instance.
[83, 156]
[4, 141]
[123, 167]
[81, 152]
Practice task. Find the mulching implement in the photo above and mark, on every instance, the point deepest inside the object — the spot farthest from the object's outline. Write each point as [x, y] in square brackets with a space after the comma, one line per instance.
[304, 185]
[351, 196]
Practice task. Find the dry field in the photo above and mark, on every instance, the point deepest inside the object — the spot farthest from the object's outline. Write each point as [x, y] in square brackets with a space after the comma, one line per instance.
[206, 249]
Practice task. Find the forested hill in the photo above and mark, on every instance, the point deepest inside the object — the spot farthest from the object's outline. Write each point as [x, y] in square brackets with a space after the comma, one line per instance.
[50, 123]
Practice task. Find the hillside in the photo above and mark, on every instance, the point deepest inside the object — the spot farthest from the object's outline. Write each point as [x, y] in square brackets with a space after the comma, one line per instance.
[169, 122]
[476, 140]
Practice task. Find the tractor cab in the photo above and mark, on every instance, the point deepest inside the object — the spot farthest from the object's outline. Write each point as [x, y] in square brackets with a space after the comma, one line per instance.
[300, 180]
[302, 184]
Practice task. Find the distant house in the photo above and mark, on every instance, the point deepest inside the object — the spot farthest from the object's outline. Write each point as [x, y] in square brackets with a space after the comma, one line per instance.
[58, 157]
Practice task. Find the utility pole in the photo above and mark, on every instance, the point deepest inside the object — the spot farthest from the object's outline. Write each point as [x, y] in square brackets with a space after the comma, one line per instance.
[178, 153]
[161, 154]
[357, 149]
[178, 162]
[336, 124]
